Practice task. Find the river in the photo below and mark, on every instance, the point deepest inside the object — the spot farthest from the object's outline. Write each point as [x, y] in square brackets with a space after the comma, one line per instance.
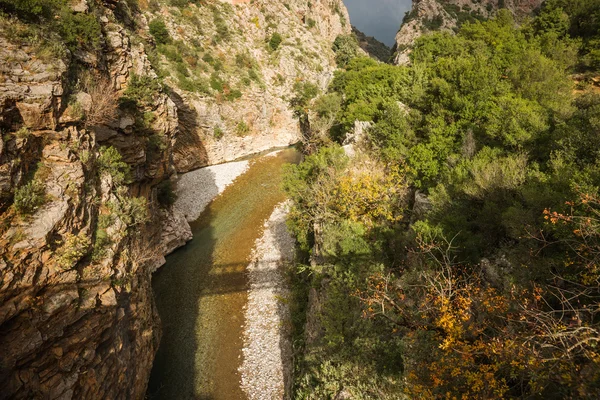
[201, 290]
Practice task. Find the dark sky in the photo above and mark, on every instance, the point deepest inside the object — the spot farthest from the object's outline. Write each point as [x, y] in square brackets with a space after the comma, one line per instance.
[379, 18]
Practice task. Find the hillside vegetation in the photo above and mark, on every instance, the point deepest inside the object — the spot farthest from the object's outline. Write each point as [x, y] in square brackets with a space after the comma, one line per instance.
[455, 255]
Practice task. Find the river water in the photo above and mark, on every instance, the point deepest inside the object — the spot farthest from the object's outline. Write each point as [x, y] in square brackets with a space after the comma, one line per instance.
[201, 291]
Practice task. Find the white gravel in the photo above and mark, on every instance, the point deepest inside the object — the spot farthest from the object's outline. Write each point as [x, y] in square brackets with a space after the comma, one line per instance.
[266, 367]
[196, 189]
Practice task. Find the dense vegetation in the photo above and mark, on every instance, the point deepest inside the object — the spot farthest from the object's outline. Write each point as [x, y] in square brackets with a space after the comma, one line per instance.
[76, 30]
[456, 254]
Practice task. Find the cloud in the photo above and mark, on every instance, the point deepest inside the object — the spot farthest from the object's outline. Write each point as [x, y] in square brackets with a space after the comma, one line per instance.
[378, 18]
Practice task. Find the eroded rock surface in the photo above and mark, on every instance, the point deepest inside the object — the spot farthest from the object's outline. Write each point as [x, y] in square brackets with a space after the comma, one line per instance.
[83, 220]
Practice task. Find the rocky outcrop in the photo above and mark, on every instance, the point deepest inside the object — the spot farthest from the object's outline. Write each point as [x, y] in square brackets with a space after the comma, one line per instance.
[428, 15]
[89, 137]
[243, 104]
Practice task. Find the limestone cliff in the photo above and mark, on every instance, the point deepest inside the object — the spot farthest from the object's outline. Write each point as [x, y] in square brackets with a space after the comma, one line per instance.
[432, 15]
[91, 136]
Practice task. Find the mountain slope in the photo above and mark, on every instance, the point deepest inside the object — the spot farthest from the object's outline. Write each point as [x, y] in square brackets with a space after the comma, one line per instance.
[448, 15]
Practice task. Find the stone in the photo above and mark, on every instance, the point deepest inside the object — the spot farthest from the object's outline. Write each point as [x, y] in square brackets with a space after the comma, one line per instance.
[79, 6]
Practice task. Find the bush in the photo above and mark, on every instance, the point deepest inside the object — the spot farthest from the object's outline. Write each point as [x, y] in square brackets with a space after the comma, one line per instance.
[29, 197]
[166, 195]
[233, 94]
[218, 132]
[304, 93]
[131, 211]
[159, 31]
[242, 129]
[142, 90]
[220, 25]
[104, 105]
[23, 133]
[110, 162]
[74, 248]
[30, 8]
[275, 41]
[79, 30]
[345, 48]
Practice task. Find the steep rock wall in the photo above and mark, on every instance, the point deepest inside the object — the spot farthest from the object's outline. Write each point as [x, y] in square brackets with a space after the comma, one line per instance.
[240, 103]
[77, 317]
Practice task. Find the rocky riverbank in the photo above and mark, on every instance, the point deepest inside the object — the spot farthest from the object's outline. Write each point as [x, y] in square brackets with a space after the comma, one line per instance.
[196, 189]
[267, 367]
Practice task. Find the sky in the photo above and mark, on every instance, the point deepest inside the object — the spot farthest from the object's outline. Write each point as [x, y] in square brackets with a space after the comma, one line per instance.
[378, 18]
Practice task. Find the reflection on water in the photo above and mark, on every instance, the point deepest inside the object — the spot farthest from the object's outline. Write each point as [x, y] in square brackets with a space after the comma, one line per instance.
[201, 291]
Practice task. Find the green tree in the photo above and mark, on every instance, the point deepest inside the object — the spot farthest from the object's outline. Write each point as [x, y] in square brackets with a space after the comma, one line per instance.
[159, 31]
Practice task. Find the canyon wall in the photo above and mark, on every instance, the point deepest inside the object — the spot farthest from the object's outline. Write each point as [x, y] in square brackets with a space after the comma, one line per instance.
[447, 15]
[92, 136]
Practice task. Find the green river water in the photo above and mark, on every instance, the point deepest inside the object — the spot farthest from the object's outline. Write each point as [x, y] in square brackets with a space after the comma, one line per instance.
[201, 291]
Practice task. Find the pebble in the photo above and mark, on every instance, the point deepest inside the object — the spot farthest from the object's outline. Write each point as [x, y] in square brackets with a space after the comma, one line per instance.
[267, 347]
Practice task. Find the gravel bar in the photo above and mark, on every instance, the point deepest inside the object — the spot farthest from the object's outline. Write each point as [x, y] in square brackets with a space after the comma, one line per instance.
[196, 189]
[266, 368]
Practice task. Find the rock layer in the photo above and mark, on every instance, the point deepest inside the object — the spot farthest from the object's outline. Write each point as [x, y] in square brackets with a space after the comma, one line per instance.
[77, 317]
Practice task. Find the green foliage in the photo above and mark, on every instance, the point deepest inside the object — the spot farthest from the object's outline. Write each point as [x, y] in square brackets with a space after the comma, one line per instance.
[218, 132]
[79, 30]
[30, 8]
[345, 48]
[486, 130]
[304, 93]
[142, 90]
[166, 193]
[242, 128]
[159, 31]
[132, 211]
[367, 85]
[29, 197]
[221, 26]
[275, 41]
[110, 163]
[73, 249]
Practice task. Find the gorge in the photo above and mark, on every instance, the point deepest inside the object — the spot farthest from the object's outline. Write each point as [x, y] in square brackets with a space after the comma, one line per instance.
[161, 238]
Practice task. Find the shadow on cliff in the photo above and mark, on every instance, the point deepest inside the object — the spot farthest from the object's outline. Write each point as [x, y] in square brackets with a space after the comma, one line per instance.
[178, 287]
[188, 150]
[202, 289]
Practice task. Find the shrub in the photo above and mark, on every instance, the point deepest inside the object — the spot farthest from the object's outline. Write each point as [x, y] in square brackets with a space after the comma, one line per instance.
[104, 105]
[218, 132]
[79, 30]
[131, 211]
[110, 162]
[233, 94]
[103, 240]
[142, 89]
[242, 129]
[74, 248]
[216, 82]
[23, 133]
[166, 195]
[30, 8]
[345, 48]
[304, 93]
[29, 197]
[159, 31]
[275, 41]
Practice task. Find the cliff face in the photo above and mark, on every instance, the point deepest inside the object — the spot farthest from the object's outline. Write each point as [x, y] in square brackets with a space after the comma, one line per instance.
[237, 79]
[89, 138]
[431, 15]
